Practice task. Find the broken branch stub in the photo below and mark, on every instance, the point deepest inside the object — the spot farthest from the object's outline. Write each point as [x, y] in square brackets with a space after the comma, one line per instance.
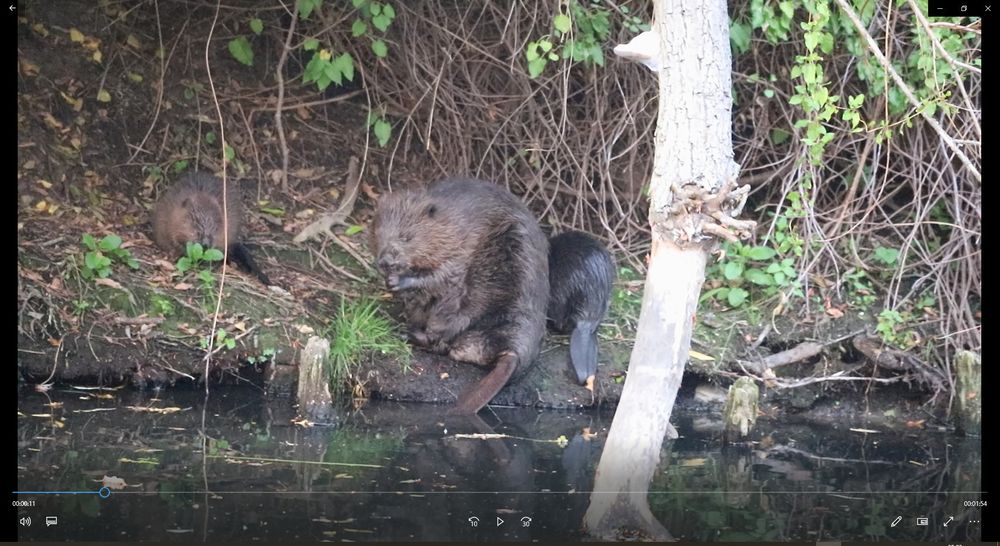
[696, 214]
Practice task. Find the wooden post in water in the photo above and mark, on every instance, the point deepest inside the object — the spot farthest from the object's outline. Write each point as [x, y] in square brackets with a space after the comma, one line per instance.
[315, 402]
[969, 369]
[740, 414]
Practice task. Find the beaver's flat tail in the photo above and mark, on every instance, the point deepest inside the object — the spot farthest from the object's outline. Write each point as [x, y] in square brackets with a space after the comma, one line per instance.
[474, 399]
[240, 254]
[583, 350]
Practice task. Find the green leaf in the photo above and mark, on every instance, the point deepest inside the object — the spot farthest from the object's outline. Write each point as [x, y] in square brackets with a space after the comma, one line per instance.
[184, 264]
[89, 241]
[132, 263]
[531, 52]
[562, 23]
[761, 253]
[230, 153]
[888, 256]
[311, 44]
[757, 276]
[739, 36]
[358, 3]
[230, 343]
[195, 251]
[732, 271]
[545, 45]
[358, 28]
[388, 11]
[272, 211]
[737, 296]
[375, 8]
[536, 66]
[779, 136]
[553, 56]
[381, 22]
[241, 50]
[346, 64]
[110, 242]
[180, 165]
[780, 279]
[306, 8]
[93, 260]
[379, 48]
[210, 137]
[257, 26]
[353, 230]
[213, 255]
[383, 130]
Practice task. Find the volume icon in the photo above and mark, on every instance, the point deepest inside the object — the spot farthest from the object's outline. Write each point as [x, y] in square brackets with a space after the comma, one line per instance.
[25, 521]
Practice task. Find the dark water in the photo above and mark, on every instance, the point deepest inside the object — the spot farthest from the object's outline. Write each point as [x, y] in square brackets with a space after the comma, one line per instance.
[401, 472]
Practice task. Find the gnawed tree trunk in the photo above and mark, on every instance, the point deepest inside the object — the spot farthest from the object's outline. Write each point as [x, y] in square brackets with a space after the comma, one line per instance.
[693, 173]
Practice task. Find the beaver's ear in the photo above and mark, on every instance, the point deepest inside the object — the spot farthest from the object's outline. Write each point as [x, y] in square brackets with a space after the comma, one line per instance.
[431, 210]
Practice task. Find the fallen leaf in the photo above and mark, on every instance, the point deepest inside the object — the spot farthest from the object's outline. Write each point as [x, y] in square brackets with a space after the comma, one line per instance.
[108, 282]
[75, 35]
[29, 68]
[113, 482]
[182, 286]
[132, 41]
[103, 96]
[699, 356]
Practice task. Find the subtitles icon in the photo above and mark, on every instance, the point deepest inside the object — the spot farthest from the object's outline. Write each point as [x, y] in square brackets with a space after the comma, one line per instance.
[51, 520]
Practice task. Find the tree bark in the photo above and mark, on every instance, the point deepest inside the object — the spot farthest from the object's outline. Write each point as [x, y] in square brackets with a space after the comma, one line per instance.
[693, 146]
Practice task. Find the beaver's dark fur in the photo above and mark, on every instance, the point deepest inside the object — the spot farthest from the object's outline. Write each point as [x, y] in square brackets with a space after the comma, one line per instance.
[470, 265]
[191, 211]
[581, 273]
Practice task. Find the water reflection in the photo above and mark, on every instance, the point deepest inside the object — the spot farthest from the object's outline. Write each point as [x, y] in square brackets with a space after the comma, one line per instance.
[403, 472]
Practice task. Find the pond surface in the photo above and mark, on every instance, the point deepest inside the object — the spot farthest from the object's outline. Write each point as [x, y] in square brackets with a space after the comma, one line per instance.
[390, 471]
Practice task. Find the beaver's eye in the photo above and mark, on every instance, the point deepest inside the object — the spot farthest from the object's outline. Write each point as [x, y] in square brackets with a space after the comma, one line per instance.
[407, 238]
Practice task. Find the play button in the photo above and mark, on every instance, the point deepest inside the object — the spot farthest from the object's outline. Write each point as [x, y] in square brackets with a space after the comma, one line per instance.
[499, 521]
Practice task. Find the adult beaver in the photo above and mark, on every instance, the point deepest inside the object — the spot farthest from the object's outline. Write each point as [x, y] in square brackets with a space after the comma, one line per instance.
[470, 265]
[581, 272]
[191, 212]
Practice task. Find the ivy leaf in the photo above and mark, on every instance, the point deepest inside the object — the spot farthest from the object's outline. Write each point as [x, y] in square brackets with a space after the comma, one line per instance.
[739, 35]
[379, 48]
[536, 66]
[346, 65]
[358, 28]
[306, 7]
[241, 50]
[562, 23]
[381, 21]
[383, 130]
[311, 44]
[888, 256]
[257, 26]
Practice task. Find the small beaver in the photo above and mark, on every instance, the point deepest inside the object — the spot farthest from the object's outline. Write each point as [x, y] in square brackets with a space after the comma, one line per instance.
[581, 273]
[191, 212]
[470, 265]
